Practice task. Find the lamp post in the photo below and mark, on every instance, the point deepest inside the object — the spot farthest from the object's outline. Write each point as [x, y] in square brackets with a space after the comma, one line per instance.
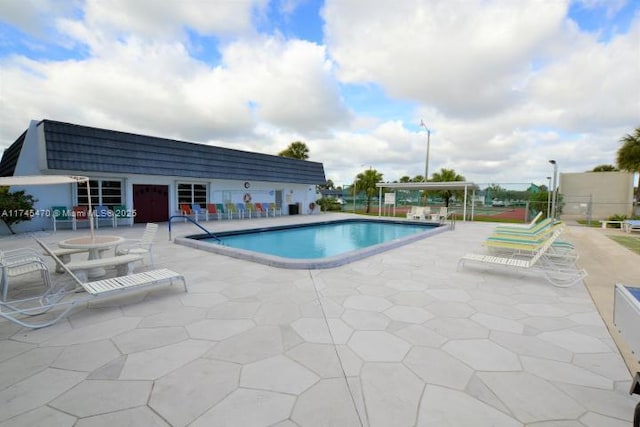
[555, 189]
[426, 164]
[549, 197]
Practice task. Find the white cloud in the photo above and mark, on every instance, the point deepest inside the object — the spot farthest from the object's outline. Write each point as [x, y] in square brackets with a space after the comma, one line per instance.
[462, 56]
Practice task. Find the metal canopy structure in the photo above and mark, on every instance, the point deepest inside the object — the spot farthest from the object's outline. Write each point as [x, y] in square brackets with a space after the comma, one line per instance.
[432, 186]
[8, 181]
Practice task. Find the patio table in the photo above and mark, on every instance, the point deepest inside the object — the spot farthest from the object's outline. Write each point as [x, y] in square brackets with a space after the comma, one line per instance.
[95, 245]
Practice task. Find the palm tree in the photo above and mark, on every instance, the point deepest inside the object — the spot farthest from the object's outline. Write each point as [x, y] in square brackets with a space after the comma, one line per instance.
[296, 150]
[446, 175]
[629, 155]
[367, 181]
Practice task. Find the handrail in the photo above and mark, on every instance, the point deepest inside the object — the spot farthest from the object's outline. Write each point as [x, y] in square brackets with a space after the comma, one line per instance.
[210, 234]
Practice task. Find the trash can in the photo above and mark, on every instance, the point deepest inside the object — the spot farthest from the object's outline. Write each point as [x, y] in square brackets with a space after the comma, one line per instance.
[293, 209]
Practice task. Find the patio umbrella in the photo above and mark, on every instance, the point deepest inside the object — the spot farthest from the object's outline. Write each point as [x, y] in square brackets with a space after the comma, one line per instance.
[9, 181]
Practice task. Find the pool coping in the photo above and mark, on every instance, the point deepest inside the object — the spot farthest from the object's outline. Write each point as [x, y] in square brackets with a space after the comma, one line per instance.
[313, 263]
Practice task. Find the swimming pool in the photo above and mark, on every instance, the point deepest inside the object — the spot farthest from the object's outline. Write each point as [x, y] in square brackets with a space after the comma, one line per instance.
[317, 245]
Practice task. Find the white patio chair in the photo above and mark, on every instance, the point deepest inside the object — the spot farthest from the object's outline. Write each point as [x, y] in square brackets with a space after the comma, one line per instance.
[142, 246]
[20, 262]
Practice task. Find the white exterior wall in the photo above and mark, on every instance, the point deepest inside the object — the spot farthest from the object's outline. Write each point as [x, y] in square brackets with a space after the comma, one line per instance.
[606, 193]
[30, 162]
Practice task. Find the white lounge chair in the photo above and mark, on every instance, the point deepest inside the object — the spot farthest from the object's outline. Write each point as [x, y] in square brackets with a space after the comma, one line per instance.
[20, 311]
[539, 260]
[142, 246]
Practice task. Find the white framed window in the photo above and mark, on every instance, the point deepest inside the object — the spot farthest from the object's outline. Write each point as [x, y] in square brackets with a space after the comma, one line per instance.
[191, 193]
[104, 192]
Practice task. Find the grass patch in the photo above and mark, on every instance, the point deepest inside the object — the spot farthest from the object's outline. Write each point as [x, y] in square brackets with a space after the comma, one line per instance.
[631, 243]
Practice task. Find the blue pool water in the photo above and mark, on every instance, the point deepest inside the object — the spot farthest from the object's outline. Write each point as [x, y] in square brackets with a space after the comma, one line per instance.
[316, 245]
[320, 241]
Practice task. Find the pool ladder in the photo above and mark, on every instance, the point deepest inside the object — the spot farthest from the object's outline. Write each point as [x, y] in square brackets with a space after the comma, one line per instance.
[210, 234]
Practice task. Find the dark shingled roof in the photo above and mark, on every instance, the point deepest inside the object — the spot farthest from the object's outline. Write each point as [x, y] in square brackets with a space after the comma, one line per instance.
[10, 156]
[80, 148]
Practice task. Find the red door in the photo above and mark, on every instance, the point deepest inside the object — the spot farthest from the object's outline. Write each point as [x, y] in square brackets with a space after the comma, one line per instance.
[151, 203]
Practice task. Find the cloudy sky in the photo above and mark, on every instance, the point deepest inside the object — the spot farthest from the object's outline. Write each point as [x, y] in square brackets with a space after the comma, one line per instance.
[502, 85]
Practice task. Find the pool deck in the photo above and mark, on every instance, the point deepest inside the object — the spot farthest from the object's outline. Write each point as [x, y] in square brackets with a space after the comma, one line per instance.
[399, 338]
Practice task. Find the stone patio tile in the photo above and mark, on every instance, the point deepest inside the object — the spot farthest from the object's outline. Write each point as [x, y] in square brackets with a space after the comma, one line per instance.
[455, 328]
[604, 402]
[140, 416]
[502, 309]
[366, 320]
[180, 316]
[549, 324]
[110, 371]
[188, 392]
[392, 393]
[241, 290]
[95, 332]
[36, 391]
[41, 417]
[408, 314]
[234, 310]
[277, 373]
[575, 342]
[406, 285]
[277, 312]
[609, 365]
[546, 310]
[564, 372]
[351, 363]
[378, 346]
[340, 331]
[450, 309]
[155, 363]
[10, 349]
[528, 345]
[531, 399]
[592, 419]
[483, 355]
[250, 346]
[366, 302]
[148, 338]
[248, 408]
[419, 335]
[327, 403]
[87, 356]
[27, 364]
[496, 323]
[320, 358]
[456, 295]
[312, 330]
[330, 308]
[411, 298]
[218, 329]
[377, 290]
[435, 366]
[477, 389]
[202, 300]
[441, 406]
[88, 397]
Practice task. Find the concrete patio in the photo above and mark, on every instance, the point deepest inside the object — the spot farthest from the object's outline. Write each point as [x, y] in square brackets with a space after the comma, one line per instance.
[397, 339]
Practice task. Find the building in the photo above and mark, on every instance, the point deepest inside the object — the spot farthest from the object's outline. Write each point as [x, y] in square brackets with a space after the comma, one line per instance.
[151, 176]
[596, 195]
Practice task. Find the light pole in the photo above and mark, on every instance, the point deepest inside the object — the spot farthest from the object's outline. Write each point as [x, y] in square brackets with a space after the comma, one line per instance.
[549, 197]
[555, 190]
[426, 164]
